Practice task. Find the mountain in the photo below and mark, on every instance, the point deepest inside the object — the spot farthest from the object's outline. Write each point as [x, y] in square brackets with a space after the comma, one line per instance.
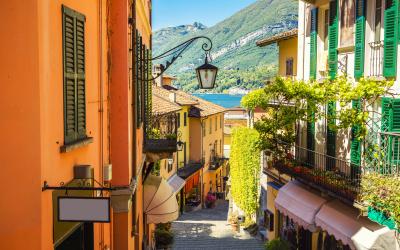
[242, 64]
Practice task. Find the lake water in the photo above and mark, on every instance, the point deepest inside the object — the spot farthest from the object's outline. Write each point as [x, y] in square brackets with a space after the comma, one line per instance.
[224, 100]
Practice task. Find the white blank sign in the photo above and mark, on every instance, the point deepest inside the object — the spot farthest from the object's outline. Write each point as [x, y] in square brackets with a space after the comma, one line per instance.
[84, 209]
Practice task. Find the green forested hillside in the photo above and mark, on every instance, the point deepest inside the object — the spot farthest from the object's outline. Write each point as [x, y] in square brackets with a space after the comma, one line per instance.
[242, 64]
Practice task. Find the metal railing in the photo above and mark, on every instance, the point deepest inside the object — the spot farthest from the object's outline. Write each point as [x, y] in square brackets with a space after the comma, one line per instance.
[330, 174]
[382, 153]
[376, 59]
[161, 133]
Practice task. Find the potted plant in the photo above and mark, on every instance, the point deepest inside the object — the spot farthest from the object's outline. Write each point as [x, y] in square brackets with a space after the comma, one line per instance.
[210, 200]
[164, 238]
[233, 220]
[277, 244]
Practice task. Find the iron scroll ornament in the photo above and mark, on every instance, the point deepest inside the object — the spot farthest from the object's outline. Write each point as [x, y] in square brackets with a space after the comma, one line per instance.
[177, 52]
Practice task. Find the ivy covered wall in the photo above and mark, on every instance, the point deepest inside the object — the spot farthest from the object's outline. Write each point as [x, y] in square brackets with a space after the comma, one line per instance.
[245, 169]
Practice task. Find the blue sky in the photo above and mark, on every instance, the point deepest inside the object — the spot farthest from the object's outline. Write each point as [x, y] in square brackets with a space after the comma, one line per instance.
[168, 13]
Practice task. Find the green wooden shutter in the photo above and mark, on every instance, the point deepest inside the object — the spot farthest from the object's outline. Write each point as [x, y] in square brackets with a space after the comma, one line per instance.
[313, 43]
[355, 148]
[81, 82]
[333, 38]
[390, 122]
[138, 67]
[331, 136]
[143, 81]
[390, 41]
[359, 39]
[311, 140]
[73, 24]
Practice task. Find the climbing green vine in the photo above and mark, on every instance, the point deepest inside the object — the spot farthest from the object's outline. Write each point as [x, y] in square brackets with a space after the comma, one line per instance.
[245, 169]
[287, 101]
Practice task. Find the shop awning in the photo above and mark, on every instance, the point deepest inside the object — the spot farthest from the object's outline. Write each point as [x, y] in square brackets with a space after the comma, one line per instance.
[176, 182]
[299, 204]
[160, 204]
[346, 224]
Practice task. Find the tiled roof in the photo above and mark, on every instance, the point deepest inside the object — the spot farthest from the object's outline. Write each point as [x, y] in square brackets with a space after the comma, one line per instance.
[278, 37]
[160, 105]
[205, 108]
[181, 100]
[199, 107]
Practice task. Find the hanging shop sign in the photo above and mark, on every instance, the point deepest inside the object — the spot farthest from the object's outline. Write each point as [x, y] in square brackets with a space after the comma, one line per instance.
[84, 209]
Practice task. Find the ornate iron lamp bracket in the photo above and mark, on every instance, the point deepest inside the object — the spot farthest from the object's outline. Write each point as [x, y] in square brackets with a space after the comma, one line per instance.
[177, 51]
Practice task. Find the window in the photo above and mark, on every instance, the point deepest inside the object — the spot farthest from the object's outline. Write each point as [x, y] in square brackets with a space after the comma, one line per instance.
[178, 119]
[185, 119]
[204, 128]
[216, 123]
[326, 28]
[221, 121]
[210, 125]
[289, 66]
[378, 21]
[347, 20]
[73, 24]
[220, 146]
[170, 162]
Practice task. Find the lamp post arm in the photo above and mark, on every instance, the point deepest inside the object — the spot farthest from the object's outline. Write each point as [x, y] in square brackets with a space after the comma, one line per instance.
[177, 52]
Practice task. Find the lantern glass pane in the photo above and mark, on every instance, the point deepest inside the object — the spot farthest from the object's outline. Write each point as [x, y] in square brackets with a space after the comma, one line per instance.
[207, 77]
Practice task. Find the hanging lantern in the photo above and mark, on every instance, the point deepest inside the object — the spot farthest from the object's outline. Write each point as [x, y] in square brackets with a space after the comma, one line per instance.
[206, 75]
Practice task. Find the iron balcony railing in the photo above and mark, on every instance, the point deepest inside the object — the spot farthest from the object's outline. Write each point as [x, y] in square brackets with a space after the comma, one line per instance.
[329, 174]
[161, 133]
[376, 59]
[382, 153]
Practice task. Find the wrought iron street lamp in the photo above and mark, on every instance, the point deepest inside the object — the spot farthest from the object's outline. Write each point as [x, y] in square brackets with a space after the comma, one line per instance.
[206, 73]
[179, 145]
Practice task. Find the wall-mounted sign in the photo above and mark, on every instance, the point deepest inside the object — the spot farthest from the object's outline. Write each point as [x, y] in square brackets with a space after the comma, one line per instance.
[84, 209]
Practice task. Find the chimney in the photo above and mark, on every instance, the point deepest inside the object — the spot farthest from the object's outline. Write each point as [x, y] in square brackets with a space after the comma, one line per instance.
[172, 97]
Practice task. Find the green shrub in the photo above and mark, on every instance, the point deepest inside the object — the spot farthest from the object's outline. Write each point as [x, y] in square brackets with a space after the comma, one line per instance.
[163, 238]
[277, 244]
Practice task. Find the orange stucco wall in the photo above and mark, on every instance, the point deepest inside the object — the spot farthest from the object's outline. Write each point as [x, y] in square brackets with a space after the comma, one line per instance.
[31, 104]
[32, 108]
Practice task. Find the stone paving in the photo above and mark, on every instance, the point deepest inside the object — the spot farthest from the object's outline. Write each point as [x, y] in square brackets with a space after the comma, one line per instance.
[208, 229]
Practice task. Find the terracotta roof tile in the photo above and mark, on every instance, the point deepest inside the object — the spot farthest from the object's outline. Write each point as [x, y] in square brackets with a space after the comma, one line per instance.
[199, 107]
[161, 105]
[182, 100]
[278, 37]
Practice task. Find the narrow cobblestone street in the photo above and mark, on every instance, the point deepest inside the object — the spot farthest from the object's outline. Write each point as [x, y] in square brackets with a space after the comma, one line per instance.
[208, 229]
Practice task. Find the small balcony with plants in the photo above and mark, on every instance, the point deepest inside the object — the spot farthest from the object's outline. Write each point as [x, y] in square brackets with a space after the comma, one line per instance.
[161, 133]
[364, 169]
[337, 177]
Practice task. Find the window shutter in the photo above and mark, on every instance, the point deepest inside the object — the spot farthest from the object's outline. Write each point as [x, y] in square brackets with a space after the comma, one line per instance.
[143, 81]
[390, 122]
[331, 136]
[311, 140]
[313, 43]
[73, 24]
[390, 41]
[138, 67]
[359, 39]
[333, 38]
[355, 148]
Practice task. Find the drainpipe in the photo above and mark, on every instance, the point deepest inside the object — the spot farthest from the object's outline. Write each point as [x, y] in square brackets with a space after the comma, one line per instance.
[101, 108]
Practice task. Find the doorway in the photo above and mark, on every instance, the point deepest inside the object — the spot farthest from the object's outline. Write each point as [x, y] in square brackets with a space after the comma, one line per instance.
[80, 239]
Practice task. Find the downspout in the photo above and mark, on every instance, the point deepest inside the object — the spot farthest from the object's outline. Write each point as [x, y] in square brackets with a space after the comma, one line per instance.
[101, 108]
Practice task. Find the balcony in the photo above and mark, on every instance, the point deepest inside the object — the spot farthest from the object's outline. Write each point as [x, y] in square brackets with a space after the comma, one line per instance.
[161, 134]
[328, 174]
[215, 163]
[376, 59]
